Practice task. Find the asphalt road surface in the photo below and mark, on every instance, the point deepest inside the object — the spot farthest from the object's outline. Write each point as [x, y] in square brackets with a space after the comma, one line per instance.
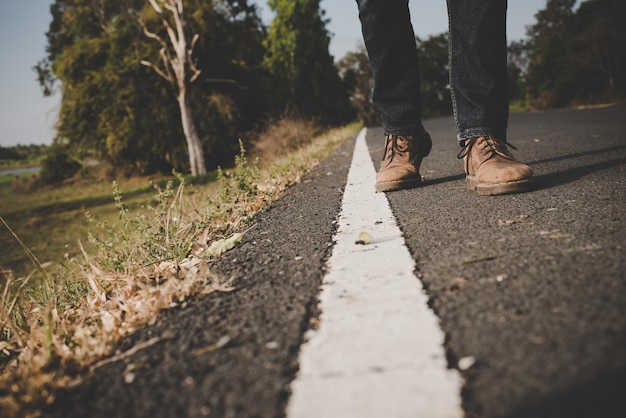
[531, 287]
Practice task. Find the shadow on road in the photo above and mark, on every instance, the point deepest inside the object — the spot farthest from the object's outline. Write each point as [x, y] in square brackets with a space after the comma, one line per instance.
[432, 182]
[577, 155]
[558, 178]
[602, 396]
[546, 181]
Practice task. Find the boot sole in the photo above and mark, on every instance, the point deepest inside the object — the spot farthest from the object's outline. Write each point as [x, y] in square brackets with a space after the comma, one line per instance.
[391, 186]
[495, 189]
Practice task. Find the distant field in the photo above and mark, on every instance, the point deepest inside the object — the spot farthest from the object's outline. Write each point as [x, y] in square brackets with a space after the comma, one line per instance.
[51, 220]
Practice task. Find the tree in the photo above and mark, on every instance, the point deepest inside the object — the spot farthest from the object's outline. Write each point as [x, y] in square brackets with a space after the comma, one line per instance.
[550, 81]
[114, 108]
[179, 70]
[517, 67]
[233, 91]
[434, 70]
[57, 166]
[577, 57]
[109, 102]
[355, 71]
[599, 53]
[298, 58]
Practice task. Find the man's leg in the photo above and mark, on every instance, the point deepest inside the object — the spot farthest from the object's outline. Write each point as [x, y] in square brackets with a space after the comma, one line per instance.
[478, 78]
[390, 43]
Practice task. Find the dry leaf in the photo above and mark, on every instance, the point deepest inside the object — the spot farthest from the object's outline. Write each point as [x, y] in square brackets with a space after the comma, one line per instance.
[219, 247]
[364, 239]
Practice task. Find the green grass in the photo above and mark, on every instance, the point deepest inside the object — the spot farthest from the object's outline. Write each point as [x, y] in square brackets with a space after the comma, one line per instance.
[519, 106]
[50, 221]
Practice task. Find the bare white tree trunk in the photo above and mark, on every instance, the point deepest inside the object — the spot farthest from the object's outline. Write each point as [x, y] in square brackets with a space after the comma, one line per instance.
[194, 146]
[180, 70]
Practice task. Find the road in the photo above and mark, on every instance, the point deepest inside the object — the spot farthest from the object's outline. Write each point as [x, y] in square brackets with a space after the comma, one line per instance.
[530, 287]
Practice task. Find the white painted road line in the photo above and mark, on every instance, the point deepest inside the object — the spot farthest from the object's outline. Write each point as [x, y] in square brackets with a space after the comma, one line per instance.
[378, 350]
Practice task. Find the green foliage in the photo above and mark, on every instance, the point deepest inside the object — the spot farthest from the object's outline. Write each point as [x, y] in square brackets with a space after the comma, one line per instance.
[548, 76]
[577, 57]
[245, 175]
[20, 154]
[57, 166]
[111, 107]
[516, 69]
[9, 153]
[433, 52]
[600, 52]
[240, 183]
[434, 69]
[298, 58]
[114, 108]
[355, 71]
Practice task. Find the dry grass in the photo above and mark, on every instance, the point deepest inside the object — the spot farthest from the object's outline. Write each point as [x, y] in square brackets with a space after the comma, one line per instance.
[52, 335]
[283, 136]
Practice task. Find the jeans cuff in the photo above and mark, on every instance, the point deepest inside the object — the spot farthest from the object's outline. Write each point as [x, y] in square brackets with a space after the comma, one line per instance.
[476, 132]
[405, 130]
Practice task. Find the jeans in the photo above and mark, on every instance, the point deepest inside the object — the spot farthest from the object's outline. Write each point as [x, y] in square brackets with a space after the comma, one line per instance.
[477, 57]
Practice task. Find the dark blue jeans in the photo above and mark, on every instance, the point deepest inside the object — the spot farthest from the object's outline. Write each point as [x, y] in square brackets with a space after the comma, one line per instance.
[478, 65]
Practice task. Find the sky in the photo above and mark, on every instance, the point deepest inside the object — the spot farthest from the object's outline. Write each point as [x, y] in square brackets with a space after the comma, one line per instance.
[26, 117]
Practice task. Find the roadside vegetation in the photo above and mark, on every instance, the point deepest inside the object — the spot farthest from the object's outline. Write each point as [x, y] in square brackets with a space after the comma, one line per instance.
[126, 260]
[21, 156]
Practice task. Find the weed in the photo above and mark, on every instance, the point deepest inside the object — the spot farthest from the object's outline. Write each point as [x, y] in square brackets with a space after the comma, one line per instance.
[245, 175]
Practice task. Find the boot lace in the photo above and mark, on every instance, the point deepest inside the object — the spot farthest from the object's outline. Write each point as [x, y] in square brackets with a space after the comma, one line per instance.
[399, 145]
[488, 146]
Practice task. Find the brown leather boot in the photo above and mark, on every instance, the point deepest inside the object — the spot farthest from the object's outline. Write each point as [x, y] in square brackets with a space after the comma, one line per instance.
[401, 162]
[491, 168]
